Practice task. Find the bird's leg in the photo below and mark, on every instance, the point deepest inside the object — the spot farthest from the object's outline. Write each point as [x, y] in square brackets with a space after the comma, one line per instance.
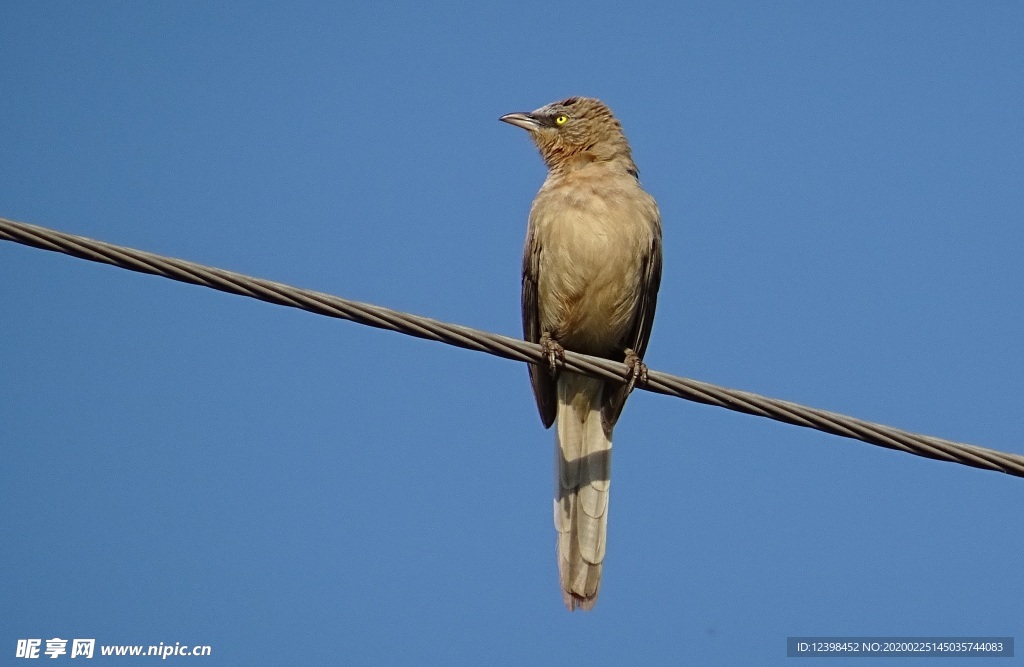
[637, 370]
[553, 351]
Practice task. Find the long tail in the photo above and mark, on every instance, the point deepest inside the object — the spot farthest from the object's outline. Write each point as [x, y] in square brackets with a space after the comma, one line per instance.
[583, 449]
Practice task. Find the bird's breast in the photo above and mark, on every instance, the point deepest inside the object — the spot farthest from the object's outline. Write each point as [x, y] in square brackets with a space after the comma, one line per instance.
[594, 238]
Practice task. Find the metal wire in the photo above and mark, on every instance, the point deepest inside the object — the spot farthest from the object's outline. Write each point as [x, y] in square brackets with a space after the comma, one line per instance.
[509, 348]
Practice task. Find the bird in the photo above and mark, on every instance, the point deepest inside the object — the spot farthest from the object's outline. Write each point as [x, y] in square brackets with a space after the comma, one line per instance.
[591, 272]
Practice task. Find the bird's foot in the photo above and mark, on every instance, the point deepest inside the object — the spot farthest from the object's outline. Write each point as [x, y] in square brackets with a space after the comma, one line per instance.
[554, 352]
[637, 370]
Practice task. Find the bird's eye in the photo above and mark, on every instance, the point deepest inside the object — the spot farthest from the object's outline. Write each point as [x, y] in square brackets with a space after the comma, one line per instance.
[561, 119]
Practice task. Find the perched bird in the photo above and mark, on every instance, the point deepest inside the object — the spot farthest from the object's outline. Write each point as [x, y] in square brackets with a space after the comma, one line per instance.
[591, 271]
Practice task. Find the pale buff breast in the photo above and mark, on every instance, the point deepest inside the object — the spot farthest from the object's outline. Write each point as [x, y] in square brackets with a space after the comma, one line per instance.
[594, 233]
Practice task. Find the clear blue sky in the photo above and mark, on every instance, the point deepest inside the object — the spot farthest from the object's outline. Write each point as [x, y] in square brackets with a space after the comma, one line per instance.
[841, 188]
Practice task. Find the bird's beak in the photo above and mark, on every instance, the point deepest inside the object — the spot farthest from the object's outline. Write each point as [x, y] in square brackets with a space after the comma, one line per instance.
[527, 121]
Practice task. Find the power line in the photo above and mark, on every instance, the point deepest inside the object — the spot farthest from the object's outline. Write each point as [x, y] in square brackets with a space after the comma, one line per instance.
[509, 348]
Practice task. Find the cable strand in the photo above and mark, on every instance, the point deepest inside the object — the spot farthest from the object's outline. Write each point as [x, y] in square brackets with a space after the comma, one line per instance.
[506, 347]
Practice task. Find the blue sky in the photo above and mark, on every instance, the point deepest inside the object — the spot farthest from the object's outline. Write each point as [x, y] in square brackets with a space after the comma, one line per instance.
[841, 190]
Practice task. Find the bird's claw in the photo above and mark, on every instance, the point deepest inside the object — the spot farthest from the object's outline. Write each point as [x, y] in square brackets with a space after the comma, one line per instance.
[637, 370]
[554, 352]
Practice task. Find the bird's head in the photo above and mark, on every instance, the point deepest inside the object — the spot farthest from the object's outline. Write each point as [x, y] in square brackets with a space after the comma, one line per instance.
[573, 131]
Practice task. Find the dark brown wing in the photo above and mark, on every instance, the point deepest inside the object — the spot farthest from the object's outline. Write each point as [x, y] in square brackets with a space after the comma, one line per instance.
[649, 299]
[640, 333]
[544, 389]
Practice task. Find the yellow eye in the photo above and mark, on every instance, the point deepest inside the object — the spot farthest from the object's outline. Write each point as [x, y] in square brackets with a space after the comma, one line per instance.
[561, 120]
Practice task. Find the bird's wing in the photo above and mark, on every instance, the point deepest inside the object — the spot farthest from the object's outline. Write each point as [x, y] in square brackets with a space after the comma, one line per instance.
[640, 332]
[651, 281]
[543, 384]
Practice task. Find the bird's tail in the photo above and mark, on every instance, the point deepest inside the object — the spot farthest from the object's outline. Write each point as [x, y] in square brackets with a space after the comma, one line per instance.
[583, 449]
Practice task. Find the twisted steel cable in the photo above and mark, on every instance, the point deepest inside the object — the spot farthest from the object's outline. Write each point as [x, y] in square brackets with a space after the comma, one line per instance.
[509, 348]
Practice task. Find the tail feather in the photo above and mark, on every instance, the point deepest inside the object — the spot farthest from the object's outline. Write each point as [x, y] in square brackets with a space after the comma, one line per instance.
[583, 466]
